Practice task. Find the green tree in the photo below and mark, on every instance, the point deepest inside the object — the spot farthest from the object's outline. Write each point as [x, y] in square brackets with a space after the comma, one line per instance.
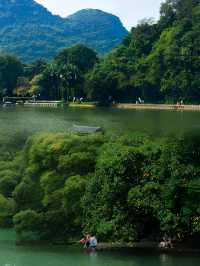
[35, 68]
[27, 221]
[6, 211]
[10, 69]
[55, 173]
[80, 56]
[22, 87]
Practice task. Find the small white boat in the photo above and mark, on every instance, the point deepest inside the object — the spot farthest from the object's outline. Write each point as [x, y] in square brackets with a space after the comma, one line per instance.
[86, 129]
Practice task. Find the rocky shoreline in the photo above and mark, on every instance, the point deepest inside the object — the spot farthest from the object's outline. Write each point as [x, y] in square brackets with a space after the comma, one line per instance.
[119, 247]
[145, 246]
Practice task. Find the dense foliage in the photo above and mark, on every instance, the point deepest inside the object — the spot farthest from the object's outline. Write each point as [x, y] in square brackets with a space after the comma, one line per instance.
[10, 70]
[62, 77]
[30, 31]
[157, 62]
[144, 189]
[123, 189]
[56, 171]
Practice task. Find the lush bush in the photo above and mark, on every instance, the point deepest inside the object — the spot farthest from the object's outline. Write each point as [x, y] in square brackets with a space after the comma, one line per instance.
[7, 209]
[121, 189]
[27, 221]
[144, 189]
[57, 168]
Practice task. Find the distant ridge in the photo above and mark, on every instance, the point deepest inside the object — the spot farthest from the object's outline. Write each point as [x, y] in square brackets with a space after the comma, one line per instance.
[30, 31]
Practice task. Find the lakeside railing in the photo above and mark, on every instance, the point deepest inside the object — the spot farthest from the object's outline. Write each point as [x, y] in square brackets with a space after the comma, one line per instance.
[43, 103]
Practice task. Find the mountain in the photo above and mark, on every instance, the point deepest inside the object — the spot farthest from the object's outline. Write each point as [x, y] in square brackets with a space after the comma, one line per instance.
[30, 31]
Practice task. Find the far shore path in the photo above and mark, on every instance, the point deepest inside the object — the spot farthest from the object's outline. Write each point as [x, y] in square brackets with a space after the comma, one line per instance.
[157, 106]
[145, 106]
[187, 107]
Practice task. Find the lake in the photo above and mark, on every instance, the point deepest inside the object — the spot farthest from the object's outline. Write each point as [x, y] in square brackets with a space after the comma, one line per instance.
[12, 255]
[18, 123]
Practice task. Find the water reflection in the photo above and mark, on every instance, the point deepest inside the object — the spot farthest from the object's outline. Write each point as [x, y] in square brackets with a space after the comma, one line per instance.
[164, 259]
[93, 255]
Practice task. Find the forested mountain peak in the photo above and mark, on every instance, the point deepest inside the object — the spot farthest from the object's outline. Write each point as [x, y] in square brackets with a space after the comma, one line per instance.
[24, 4]
[17, 12]
[30, 31]
[92, 14]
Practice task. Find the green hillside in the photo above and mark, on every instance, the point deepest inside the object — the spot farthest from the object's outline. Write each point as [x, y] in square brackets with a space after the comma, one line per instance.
[30, 31]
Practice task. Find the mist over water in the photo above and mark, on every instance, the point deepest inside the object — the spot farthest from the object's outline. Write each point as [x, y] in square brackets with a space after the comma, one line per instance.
[19, 123]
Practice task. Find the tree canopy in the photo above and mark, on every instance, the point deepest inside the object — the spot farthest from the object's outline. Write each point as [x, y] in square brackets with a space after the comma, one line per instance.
[10, 69]
[157, 62]
[121, 189]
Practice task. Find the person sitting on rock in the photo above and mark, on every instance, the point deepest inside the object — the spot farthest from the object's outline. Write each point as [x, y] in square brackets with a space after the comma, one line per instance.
[86, 241]
[93, 242]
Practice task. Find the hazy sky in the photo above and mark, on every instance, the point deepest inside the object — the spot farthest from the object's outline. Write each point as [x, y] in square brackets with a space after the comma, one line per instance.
[130, 11]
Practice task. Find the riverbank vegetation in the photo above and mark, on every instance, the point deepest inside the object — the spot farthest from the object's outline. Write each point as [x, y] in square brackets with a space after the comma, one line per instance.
[157, 62]
[121, 189]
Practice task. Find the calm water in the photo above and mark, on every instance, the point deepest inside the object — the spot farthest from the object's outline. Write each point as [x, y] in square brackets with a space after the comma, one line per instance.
[17, 123]
[12, 255]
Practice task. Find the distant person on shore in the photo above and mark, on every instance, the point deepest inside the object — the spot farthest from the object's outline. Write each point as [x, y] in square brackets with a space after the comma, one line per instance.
[140, 100]
[85, 241]
[182, 104]
[89, 241]
[93, 242]
[166, 243]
